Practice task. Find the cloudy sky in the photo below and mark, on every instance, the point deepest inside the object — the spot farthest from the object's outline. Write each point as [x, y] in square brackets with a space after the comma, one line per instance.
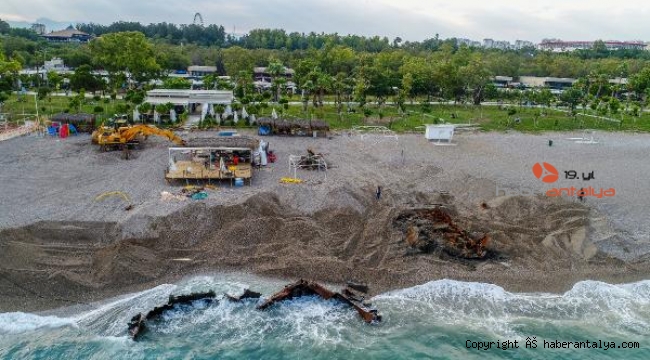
[410, 19]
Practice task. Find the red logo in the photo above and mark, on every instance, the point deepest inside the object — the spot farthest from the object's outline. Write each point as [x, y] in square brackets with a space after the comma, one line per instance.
[547, 173]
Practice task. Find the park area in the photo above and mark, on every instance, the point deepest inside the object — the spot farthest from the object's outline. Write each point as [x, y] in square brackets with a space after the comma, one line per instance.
[490, 116]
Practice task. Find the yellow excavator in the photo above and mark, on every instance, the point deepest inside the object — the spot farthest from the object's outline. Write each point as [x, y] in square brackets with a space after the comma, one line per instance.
[109, 138]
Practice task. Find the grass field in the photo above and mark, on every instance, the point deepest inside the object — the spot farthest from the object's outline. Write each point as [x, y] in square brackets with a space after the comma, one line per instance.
[24, 107]
[490, 118]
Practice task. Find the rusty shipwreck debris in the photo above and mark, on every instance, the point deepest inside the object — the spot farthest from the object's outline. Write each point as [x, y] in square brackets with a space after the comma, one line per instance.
[432, 229]
[307, 288]
[353, 295]
[137, 325]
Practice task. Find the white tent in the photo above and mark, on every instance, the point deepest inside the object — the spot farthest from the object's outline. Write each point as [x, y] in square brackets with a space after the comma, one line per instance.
[274, 115]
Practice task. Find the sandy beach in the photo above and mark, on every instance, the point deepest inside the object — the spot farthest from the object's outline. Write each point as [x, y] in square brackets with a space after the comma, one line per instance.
[59, 246]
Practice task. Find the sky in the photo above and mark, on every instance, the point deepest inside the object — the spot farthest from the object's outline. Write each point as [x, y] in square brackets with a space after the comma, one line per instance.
[413, 20]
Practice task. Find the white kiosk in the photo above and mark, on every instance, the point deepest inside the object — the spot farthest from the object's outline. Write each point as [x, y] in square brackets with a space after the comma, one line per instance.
[440, 134]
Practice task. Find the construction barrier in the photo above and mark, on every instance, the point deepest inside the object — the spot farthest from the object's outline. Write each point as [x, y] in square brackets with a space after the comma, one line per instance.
[21, 131]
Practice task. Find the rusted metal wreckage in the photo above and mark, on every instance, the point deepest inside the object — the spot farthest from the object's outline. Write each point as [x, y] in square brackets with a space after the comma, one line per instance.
[137, 325]
[349, 295]
[432, 229]
[307, 288]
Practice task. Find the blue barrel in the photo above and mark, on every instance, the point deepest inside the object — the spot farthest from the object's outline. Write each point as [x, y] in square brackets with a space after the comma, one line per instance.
[264, 130]
[239, 182]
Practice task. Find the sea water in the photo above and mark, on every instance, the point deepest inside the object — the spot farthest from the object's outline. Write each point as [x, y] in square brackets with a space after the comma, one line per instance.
[441, 320]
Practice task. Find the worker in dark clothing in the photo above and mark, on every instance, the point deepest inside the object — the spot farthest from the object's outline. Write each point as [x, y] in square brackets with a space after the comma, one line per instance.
[581, 195]
[378, 192]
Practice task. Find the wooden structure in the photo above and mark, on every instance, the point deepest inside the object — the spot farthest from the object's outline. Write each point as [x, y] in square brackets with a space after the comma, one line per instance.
[210, 163]
[296, 127]
[82, 122]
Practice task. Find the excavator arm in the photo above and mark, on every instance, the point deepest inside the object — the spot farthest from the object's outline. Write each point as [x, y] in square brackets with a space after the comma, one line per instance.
[129, 134]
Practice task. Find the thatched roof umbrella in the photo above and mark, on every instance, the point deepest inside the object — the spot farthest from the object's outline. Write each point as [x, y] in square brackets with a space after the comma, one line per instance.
[225, 141]
[319, 125]
[265, 121]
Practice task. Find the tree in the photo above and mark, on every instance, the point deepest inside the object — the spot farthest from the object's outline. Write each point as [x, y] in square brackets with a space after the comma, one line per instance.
[572, 96]
[339, 86]
[308, 88]
[8, 71]
[126, 52]
[176, 83]
[237, 59]
[243, 83]
[360, 89]
[275, 69]
[54, 79]
[84, 79]
[545, 97]
[4, 27]
[476, 77]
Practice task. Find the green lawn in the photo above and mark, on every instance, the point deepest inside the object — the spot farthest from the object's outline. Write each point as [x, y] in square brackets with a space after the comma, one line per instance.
[20, 107]
[488, 117]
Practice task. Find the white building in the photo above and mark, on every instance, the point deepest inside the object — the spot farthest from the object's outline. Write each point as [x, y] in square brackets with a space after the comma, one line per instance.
[468, 42]
[557, 45]
[520, 44]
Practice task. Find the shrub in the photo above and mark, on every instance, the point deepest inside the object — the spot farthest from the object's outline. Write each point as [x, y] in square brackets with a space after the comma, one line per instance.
[98, 109]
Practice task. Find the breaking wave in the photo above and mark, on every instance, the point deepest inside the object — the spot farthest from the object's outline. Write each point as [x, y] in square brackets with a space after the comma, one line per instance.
[417, 321]
[18, 322]
[624, 308]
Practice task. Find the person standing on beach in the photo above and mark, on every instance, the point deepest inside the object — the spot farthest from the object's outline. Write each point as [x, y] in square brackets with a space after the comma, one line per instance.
[378, 192]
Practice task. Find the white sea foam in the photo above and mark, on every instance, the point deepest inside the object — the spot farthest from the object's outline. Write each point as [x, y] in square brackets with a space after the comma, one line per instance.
[18, 322]
[625, 307]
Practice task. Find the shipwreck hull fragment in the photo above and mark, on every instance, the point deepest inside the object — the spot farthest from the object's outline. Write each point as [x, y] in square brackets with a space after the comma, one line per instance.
[307, 288]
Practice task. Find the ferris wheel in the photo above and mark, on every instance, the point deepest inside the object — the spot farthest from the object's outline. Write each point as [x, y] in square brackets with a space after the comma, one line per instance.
[198, 19]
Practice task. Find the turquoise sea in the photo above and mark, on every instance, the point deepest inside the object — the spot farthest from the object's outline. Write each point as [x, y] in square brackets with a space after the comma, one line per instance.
[439, 320]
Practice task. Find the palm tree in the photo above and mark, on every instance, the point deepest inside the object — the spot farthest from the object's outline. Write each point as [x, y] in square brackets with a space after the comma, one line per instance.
[275, 69]
[323, 84]
[243, 82]
[307, 88]
[338, 86]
